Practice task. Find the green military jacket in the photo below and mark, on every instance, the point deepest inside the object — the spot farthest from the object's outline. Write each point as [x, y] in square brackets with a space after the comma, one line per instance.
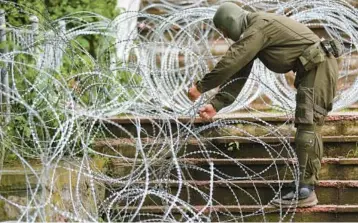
[276, 40]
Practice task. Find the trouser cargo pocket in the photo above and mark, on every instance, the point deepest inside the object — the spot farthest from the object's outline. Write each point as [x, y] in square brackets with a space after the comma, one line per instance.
[304, 105]
[309, 150]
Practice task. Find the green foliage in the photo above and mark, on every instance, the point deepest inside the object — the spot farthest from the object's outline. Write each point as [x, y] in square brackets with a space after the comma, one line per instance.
[88, 89]
[18, 13]
[353, 153]
[59, 8]
[19, 130]
[233, 146]
[24, 130]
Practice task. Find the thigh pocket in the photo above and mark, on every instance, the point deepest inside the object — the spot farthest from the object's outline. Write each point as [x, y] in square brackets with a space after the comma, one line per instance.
[312, 56]
[304, 105]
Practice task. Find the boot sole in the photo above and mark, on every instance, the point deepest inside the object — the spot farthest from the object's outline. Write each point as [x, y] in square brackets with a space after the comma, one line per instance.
[310, 202]
[293, 204]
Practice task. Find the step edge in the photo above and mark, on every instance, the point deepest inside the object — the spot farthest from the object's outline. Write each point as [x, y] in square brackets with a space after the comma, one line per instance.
[219, 140]
[256, 183]
[251, 208]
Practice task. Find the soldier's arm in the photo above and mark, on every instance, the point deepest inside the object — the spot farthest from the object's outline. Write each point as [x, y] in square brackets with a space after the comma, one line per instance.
[237, 57]
[232, 88]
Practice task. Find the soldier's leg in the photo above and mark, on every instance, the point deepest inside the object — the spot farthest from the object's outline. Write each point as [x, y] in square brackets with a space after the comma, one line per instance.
[308, 137]
[314, 98]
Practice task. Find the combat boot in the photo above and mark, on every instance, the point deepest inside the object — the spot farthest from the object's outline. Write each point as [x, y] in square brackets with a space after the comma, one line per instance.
[306, 198]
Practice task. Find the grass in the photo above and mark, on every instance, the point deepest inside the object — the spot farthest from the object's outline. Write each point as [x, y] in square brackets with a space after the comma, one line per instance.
[353, 153]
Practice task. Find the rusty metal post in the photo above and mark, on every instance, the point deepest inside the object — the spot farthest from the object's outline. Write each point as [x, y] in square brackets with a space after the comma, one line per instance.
[4, 90]
[3, 80]
[35, 31]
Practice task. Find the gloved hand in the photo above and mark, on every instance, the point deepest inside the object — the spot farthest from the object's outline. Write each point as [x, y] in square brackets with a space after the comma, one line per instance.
[193, 93]
[207, 112]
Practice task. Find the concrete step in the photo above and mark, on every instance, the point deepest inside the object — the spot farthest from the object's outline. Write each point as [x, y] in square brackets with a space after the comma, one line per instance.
[254, 173]
[30, 183]
[232, 146]
[235, 124]
[248, 213]
[243, 169]
[16, 178]
[245, 192]
[15, 184]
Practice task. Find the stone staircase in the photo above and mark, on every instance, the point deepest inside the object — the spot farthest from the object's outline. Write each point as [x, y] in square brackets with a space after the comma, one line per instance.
[257, 160]
[241, 198]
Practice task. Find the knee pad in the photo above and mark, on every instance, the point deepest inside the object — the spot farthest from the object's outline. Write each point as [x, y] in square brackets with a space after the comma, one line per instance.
[305, 141]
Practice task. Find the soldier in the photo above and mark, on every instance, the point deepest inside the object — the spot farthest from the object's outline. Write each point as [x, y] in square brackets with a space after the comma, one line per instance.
[282, 45]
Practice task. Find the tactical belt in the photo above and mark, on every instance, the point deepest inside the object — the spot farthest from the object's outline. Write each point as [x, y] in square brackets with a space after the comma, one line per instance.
[332, 47]
[317, 52]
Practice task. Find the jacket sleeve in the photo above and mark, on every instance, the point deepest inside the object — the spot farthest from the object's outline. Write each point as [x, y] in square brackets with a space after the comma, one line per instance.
[238, 56]
[230, 90]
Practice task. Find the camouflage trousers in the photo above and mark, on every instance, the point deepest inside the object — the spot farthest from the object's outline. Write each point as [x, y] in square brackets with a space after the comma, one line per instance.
[316, 89]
